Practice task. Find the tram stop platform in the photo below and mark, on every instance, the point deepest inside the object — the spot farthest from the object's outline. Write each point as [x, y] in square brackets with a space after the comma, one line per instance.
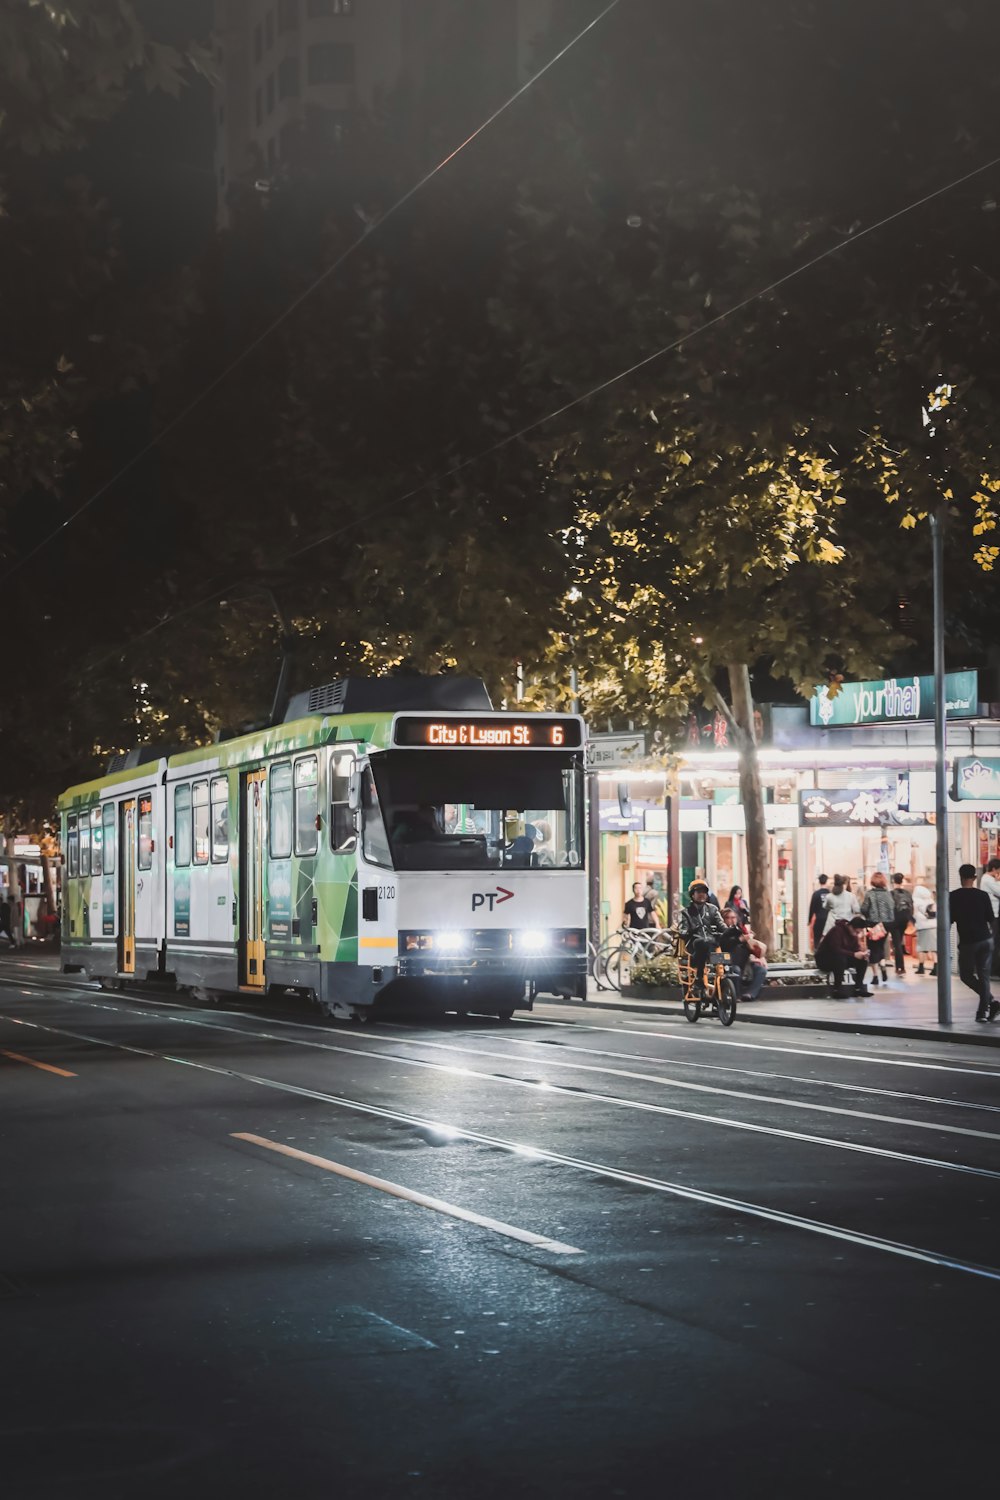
[904, 1007]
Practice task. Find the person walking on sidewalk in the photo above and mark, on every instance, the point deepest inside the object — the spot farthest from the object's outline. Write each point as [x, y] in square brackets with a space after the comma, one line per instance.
[879, 912]
[990, 883]
[819, 911]
[902, 902]
[972, 913]
[842, 949]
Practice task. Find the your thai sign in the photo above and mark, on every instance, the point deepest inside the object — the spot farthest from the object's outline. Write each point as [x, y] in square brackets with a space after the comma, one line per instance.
[894, 700]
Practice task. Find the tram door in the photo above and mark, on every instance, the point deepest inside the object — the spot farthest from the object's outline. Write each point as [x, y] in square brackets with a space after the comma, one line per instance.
[253, 837]
[126, 887]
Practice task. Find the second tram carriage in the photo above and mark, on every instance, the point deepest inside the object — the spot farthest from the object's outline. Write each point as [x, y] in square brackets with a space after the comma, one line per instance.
[393, 837]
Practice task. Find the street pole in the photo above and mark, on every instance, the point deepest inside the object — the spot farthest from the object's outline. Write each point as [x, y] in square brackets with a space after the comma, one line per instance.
[938, 519]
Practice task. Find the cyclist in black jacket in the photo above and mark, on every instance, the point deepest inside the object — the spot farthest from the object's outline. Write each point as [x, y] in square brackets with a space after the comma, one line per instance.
[702, 928]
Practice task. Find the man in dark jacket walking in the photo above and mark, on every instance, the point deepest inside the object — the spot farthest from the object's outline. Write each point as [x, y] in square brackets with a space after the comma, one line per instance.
[971, 911]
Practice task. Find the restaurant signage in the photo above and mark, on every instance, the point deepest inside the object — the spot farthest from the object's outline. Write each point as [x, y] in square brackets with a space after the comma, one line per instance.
[851, 807]
[894, 700]
[977, 779]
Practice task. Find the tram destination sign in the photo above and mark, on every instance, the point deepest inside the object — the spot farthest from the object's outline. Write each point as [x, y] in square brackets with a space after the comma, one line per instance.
[894, 700]
[481, 732]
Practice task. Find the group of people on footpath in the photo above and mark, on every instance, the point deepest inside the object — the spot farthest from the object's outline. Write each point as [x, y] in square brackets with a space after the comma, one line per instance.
[705, 927]
[850, 938]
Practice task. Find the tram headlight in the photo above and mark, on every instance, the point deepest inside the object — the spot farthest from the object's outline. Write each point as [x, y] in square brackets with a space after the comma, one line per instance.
[451, 942]
[532, 942]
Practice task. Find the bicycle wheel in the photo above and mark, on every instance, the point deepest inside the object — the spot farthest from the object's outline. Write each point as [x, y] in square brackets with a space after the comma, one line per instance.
[692, 1009]
[725, 1003]
[594, 963]
[617, 968]
[609, 946]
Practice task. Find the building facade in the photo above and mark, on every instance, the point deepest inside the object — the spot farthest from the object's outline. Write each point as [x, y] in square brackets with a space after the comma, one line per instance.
[288, 67]
[849, 789]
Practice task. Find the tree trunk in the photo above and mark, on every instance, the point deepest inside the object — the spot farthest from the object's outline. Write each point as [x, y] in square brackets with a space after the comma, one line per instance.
[14, 891]
[752, 797]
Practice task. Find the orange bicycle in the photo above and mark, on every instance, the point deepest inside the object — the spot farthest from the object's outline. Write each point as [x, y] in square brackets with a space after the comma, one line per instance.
[720, 986]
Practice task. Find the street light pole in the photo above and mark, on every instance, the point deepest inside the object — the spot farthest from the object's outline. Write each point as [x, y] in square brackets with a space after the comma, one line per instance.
[938, 520]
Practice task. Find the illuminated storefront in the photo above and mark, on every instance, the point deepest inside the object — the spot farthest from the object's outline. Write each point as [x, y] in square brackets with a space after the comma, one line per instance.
[847, 793]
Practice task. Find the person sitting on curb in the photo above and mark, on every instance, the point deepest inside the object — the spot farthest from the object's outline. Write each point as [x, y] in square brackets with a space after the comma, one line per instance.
[843, 948]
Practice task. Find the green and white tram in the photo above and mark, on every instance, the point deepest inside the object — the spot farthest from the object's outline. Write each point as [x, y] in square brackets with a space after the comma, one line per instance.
[393, 837]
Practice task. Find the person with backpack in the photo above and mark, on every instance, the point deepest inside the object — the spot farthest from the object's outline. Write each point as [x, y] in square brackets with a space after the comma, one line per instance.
[902, 901]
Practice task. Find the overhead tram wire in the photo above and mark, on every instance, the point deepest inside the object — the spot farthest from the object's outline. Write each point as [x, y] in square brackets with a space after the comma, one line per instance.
[296, 303]
[649, 359]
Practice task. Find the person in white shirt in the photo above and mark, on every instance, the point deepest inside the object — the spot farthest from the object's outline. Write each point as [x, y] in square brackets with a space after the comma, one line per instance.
[842, 904]
[925, 920]
[990, 883]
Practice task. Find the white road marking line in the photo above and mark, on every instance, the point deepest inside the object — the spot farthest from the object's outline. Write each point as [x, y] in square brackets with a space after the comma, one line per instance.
[353, 1050]
[525, 1236]
[720, 1121]
[883, 1058]
[886, 1059]
[595, 1169]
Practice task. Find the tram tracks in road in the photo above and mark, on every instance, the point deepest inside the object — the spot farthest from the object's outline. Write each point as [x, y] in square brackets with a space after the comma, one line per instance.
[350, 1048]
[360, 1047]
[530, 1152]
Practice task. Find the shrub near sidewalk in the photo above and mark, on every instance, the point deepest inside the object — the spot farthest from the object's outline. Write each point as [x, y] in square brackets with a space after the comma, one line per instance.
[664, 973]
[657, 973]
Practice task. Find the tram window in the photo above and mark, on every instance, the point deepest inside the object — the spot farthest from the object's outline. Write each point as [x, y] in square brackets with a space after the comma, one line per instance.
[182, 826]
[108, 816]
[145, 850]
[84, 843]
[73, 844]
[376, 839]
[96, 843]
[199, 797]
[281, 811]
[306, 806]
[220, 820]
[343, 833]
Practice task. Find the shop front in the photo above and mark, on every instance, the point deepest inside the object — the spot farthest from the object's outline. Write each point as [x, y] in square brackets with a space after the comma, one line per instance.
[848, 785]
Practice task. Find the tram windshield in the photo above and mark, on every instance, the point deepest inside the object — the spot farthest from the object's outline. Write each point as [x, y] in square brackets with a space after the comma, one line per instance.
[479, 810]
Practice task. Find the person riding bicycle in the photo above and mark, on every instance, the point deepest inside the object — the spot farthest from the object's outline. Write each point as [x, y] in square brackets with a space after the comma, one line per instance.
[702, 928]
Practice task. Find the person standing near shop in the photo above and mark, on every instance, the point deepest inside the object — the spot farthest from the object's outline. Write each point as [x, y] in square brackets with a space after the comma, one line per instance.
[879, 912]
[819, 911]
[843, 904]
[972, 913]
[990, 883]
[737, 904]
[640, 914]
[902, 903]
[925, 918]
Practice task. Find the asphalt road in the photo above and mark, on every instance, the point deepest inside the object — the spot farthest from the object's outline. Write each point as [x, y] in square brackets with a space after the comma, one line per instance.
[754, 1262]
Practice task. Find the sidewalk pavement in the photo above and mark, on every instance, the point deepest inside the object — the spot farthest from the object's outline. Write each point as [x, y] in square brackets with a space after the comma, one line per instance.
[905, 1007]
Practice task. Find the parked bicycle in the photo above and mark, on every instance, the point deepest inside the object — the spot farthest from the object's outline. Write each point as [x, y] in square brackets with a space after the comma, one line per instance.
[621, 951]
